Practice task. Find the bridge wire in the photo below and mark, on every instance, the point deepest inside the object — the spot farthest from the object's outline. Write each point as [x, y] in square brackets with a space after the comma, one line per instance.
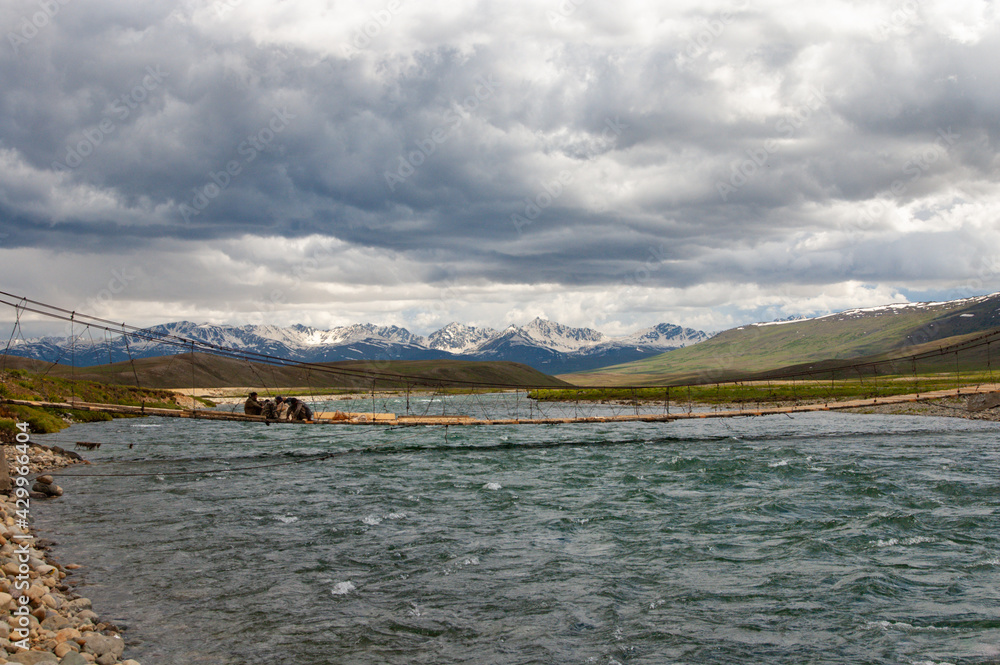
[10, 340]
[93, 344]
[989, 362]
[176, 340]
[267, 390]
[72, 356]
[107, 343]
[131, 360]
[126, 331]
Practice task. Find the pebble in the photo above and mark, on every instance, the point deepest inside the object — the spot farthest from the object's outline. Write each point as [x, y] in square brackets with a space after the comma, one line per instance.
[62, 627]
[64, 648]
[74, 658]
[33, 657]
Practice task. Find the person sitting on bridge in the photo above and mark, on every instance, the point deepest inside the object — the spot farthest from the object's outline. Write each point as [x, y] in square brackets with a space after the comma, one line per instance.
[252, 407]
[269, 410]
[297, 409]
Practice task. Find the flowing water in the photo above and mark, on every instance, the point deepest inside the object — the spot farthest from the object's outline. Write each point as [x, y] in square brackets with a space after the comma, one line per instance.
[823, 538]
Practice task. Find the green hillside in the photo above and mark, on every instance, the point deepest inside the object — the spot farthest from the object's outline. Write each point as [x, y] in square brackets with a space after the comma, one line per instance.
[211, 371]
[877, 333]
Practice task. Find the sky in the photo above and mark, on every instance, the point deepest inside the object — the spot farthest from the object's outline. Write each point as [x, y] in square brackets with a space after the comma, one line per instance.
[607, 165]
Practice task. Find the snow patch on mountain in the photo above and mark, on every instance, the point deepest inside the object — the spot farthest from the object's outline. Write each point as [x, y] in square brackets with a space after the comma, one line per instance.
[560, 338]
[459, 338]
[881, 310]
[664, 335]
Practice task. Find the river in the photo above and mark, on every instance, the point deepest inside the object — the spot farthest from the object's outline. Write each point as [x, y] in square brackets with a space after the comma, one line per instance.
[825, 538]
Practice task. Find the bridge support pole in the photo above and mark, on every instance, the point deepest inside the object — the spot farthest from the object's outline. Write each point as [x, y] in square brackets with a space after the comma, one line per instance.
[5, 484]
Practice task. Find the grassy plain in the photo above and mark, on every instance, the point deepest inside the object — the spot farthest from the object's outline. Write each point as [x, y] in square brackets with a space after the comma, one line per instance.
[202, 371]
[770, 392]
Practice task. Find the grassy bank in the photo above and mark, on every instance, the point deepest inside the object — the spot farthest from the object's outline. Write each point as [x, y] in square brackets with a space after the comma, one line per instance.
[25, 385]
[768, 392]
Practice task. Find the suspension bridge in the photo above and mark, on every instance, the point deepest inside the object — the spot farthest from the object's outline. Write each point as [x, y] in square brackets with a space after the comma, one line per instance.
[506, 411]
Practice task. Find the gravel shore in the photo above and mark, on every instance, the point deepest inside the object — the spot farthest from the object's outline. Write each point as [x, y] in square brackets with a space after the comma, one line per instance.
[951, 407]
[948, 407]
[38, 608]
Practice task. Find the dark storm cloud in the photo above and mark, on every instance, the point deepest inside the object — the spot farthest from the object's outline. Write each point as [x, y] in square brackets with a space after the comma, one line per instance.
[739, 142]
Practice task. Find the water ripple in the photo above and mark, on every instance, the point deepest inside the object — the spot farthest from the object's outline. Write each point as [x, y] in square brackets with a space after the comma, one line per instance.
[824, 538]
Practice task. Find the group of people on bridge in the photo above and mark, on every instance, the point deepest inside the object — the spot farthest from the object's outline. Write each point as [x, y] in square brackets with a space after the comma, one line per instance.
[281, 408]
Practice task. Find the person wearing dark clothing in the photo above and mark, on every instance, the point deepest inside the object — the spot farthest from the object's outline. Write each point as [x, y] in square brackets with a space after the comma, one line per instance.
[297, 409]
[252, 407]
[269, 411]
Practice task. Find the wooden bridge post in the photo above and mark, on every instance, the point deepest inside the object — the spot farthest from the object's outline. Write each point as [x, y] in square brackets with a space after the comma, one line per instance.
[5, 484]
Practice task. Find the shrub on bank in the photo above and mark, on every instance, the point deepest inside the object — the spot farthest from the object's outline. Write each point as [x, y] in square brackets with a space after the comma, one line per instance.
[40, 420]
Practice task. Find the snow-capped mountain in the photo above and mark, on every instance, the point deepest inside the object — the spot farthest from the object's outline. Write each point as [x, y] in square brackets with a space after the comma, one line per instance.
[665, 334]
[558, 337]
[459, 338]
[545, 345]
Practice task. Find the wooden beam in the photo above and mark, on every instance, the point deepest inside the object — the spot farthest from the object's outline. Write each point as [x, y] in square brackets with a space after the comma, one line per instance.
[5, 483]
[393, 419]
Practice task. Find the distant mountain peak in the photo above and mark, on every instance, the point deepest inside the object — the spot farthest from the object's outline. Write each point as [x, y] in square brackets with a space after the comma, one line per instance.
[459, 338]
[559, 337]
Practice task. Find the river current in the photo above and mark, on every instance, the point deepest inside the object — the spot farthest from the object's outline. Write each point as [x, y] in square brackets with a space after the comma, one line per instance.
[818, 538]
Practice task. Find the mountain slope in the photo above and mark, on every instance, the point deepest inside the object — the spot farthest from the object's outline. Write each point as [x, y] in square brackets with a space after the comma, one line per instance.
[892, 329]
[210, 371]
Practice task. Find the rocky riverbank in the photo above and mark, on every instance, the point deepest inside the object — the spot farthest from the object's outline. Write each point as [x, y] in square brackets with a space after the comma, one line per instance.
[950, 407]
[38, 608]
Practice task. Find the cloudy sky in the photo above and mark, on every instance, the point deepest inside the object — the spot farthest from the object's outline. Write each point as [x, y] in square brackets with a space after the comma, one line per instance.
[602, 164]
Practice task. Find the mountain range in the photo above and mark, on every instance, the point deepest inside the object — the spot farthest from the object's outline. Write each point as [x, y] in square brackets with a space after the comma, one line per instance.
[544, 345]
